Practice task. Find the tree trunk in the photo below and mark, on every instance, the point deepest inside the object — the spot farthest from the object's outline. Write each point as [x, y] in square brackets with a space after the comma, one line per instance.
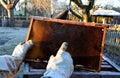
[9, 6]
[86, 17]
[11, 17]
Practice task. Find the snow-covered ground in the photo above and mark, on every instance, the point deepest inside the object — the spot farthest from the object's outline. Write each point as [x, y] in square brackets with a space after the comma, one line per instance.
[9, 38]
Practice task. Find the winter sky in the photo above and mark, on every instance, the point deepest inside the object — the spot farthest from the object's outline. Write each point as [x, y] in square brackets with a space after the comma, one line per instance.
[115, 3]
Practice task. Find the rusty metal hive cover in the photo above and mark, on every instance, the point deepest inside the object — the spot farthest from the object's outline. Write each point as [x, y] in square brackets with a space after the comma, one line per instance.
[86, 40]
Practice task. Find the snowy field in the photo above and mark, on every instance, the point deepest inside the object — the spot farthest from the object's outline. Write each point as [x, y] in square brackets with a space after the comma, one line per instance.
[9, 38]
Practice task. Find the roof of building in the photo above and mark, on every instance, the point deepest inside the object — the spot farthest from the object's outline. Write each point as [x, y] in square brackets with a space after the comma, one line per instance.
[102, 12]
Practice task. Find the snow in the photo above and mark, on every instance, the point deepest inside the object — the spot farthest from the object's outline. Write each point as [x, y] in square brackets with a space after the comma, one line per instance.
[106, 12]
[114, 3]
[10, 37]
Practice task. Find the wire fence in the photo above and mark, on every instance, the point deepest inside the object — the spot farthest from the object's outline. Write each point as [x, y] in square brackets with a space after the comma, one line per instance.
[20, 21]
[113, 38]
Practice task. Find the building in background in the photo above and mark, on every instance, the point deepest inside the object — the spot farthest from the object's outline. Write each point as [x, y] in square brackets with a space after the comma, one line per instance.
[106, 17]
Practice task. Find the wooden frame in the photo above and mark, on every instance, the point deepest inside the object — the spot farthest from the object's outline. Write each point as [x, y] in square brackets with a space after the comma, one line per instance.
[86, 40]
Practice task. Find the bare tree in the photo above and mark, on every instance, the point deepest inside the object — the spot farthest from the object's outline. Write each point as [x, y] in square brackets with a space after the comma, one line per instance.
[36, 7]
[85, 8]
[9, 5]
[42, 6]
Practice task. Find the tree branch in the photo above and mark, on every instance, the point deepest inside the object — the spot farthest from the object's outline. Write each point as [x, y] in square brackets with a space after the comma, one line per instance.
[15, 2]
[4, 4]
[8, 1]
[9, 5]
[90, 4]
[80, 17]
[80, 4]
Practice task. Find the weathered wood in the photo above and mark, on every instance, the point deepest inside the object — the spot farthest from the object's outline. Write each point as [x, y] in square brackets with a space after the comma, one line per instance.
[112, 63]
[26, 68]
[61, 15]
[106, 66]
[104, 63]
[104, 73]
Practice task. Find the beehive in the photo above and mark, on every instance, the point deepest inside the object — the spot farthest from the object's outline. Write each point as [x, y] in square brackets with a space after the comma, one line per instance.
[86, 41]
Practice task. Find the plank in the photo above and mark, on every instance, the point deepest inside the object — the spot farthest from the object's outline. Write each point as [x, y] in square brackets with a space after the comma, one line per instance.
[104, 63]
[112, 63]
[107, 71]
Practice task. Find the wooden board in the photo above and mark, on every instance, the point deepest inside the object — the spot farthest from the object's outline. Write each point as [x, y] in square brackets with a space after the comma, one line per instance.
[86, 40]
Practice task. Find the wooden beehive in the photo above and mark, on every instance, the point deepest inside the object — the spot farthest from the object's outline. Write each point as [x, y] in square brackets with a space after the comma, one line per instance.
[86, 40]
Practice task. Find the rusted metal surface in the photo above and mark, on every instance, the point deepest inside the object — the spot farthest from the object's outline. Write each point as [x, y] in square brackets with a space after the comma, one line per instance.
[86, 40]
